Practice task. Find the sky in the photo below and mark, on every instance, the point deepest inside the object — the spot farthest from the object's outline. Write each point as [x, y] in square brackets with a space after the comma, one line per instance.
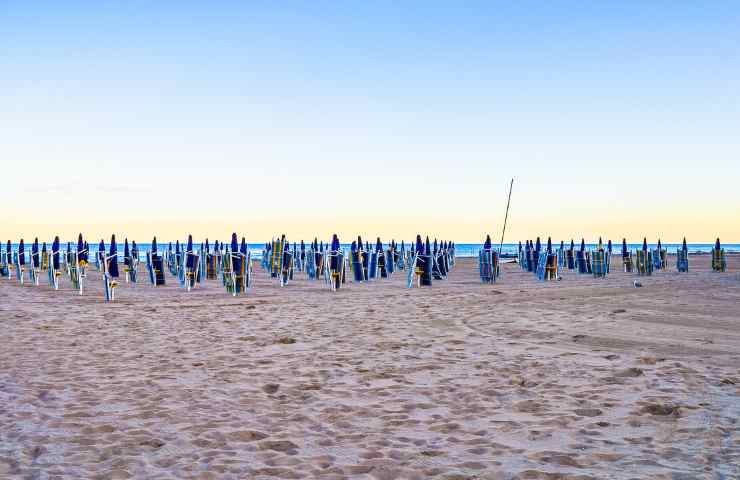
[618, 119]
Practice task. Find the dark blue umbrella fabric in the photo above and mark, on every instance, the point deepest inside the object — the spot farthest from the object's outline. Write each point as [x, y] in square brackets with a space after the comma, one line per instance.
[55, 253]
[487, 244]
[154, 245]
[334, 243]
[549, 245]
[113, 265]
[684, 247]
[21, 253]
[419, 245]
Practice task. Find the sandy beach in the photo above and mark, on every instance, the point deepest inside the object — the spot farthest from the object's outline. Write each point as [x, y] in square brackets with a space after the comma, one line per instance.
[579, 379]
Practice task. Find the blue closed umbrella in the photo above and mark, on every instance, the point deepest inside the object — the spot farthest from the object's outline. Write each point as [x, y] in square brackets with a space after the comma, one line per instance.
[55, 253]
[572, 245]
[624, 247]
[113, 265]
[583, 245]
[21, 253]
[684, 247]
[208, 247]
[243, 246]
[717, 245]
[154, 245]
[419, 245]
[101, 246]
[134, 250]
[81, 255]
[235, 259]
[427, 247]
[660, 246]
[189, 257]
[126, 253]
[35, 253]
[549, 245]
[335, 243]
[43, 248]
[177, 247]
[609, 246]
[378, 245]
[644, 244]
[538, 246]
[487, 244]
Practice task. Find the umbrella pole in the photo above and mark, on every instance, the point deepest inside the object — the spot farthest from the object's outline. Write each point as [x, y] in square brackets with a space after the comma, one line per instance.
[506, 218]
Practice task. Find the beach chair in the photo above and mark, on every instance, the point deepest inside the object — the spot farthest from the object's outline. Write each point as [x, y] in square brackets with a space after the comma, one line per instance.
[155, 267]
[488, 265]
[4, 265]
[660, 259]
[719, 260]
[561, 253]
[644, 262]
[54, 272]
[110, 283]
[414, 272]
[34, 268]
[682, 260]
[599, 263]
[237, 273]
[75, 275]
[335, 266]
[547, 266]
[276, 257]
[582, 262]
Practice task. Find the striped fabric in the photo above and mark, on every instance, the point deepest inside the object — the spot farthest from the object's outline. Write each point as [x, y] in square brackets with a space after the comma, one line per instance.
[599, 263]
[547, 267]
[488, 266]
[719, 260]
[644, 262]
[682, 260]
[276, 260]
[660, 259]
[582, 262]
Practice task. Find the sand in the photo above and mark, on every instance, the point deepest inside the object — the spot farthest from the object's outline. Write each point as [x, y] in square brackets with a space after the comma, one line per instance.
[576, 379]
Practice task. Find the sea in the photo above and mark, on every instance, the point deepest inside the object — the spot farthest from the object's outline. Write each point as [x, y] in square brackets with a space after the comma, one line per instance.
[461, 249]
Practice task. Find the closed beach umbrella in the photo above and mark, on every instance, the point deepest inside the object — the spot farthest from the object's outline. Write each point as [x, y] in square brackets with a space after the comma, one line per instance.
[126, 253]
[583, 245]
[81, 256]
[35, 253]
[55, 253]
[9, 250]
[43, 248]
[403, 245]
[624, 247]
[303, 246]
[427, 248]
[154, 245]
[335, 243]
[419, 245]
[601, 244]
[644, 244]
[538, 246]
[169, 247]
[684, 247]
[101, 246]
[243, 246]
[572, 245]
[321, 246]
[208, 247]
[520, 245]
[487, 244]
[549, 245]
[134, 250]
[234, 243]
[113, 266]
[21, 253]
[177, 247]
[660, 246]
[562, 245]
[378, 245]
[717, 245]
[609, 246]
[189, 257]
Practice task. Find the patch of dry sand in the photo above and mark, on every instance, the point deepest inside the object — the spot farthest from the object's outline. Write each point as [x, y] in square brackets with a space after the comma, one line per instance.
[576, 379]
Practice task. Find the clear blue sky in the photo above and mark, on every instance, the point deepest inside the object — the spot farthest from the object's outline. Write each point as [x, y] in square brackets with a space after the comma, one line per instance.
[350, 113]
